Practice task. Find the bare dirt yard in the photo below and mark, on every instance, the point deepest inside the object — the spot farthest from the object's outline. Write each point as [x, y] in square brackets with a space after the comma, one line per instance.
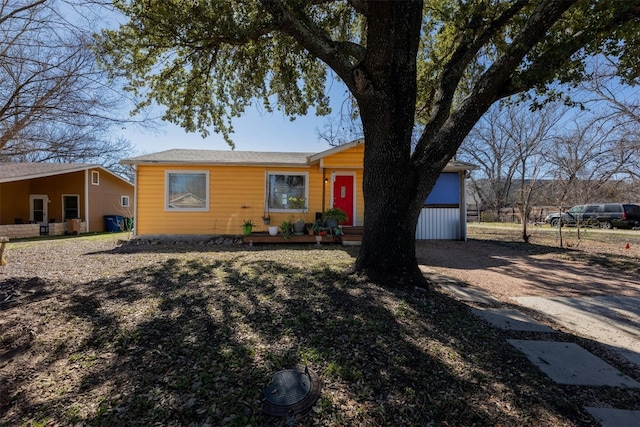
[599, 262]
[97, 331]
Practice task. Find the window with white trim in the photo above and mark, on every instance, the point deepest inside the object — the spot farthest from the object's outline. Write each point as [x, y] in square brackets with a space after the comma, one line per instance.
[95, 178]
[287, 192]
[124, 201]
[187, 191]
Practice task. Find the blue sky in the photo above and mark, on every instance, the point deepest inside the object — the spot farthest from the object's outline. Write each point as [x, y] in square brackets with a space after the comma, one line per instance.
[255, 131]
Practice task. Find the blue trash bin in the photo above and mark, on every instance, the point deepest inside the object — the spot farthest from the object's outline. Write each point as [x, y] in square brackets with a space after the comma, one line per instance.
[113, 223]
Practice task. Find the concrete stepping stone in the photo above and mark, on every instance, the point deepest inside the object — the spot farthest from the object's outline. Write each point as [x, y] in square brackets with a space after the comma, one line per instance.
[465, 293]
[511, 320]
[614, 321]
[568, 363]
[608, 417]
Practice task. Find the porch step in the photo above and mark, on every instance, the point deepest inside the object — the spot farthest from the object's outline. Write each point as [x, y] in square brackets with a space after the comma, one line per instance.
[351, 235]
[353, 231]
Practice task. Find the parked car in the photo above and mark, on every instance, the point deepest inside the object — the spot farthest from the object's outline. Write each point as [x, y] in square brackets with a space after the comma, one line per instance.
[603, 215]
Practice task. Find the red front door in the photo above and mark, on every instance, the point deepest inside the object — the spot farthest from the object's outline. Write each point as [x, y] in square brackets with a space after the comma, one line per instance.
[343, 195]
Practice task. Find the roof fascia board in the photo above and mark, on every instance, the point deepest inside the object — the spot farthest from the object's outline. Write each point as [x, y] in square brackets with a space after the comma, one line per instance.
[195, 163]
[45, 174]
[459, 167]
[62, 172]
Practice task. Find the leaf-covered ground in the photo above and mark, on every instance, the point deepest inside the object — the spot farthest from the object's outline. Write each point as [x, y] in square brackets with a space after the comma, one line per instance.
[189, 334]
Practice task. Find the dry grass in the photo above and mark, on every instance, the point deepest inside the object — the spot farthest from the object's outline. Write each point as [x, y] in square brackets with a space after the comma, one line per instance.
[619, 249]
[180, 334]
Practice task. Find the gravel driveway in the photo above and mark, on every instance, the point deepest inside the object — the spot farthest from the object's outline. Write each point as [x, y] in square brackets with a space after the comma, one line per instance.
[508, 271]
[592, 300]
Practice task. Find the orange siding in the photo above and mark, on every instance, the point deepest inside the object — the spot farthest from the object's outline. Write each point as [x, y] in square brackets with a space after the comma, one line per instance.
[237, 193]
[351, 158]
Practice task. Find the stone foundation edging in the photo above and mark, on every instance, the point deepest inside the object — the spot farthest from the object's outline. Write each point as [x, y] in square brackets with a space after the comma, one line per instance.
[23, 231]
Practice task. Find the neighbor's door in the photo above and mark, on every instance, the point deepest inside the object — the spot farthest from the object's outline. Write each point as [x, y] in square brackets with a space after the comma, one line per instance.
[343, 196]
[38, 208]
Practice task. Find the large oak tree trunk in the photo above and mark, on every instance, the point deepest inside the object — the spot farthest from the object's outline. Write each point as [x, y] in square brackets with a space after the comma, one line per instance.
[386, 97]
[388, 253]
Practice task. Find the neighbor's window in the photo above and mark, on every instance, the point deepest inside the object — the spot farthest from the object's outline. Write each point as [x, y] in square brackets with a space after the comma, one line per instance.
[287, 192]
[124, 201]
[187, 191]
[71, 206]
[95, 177]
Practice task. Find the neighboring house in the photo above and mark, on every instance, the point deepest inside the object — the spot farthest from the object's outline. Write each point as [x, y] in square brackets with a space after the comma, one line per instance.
[204, 192]
[48, 194]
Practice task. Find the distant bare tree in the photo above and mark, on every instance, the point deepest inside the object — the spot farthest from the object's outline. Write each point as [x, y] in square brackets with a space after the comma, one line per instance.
[340, 129]
[531, 135]
[593, 152]
[617, 100]
[55, 104]
[592, 159]
[508, 144]
[488, 145]
[622, 100]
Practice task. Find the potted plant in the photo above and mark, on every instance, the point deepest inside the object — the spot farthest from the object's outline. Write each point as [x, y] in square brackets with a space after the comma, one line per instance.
[298, 226]
[266, 219]
[286, 228]
[247, 227]
[334, 216]
[310, 228]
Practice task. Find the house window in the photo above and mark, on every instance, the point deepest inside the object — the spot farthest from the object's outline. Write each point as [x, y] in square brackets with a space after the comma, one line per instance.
[95, 177]
[124, 201]
[287, 192]
[187, 191]
[70, 206]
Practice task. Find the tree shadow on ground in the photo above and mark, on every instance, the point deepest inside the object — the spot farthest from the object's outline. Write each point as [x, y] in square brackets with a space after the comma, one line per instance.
[192, 341]
[518, 261]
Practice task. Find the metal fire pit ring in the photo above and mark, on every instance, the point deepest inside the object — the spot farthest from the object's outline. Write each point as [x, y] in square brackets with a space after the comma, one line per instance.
[291, 392]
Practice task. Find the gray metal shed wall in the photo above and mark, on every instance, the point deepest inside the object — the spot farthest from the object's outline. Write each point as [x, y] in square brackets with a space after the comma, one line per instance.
[439, 224]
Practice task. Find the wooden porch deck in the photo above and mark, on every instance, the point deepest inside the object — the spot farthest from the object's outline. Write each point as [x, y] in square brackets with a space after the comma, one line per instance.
[350, 236]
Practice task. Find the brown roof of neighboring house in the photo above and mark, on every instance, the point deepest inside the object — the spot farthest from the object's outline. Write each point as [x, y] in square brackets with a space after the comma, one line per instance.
[18, 171]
